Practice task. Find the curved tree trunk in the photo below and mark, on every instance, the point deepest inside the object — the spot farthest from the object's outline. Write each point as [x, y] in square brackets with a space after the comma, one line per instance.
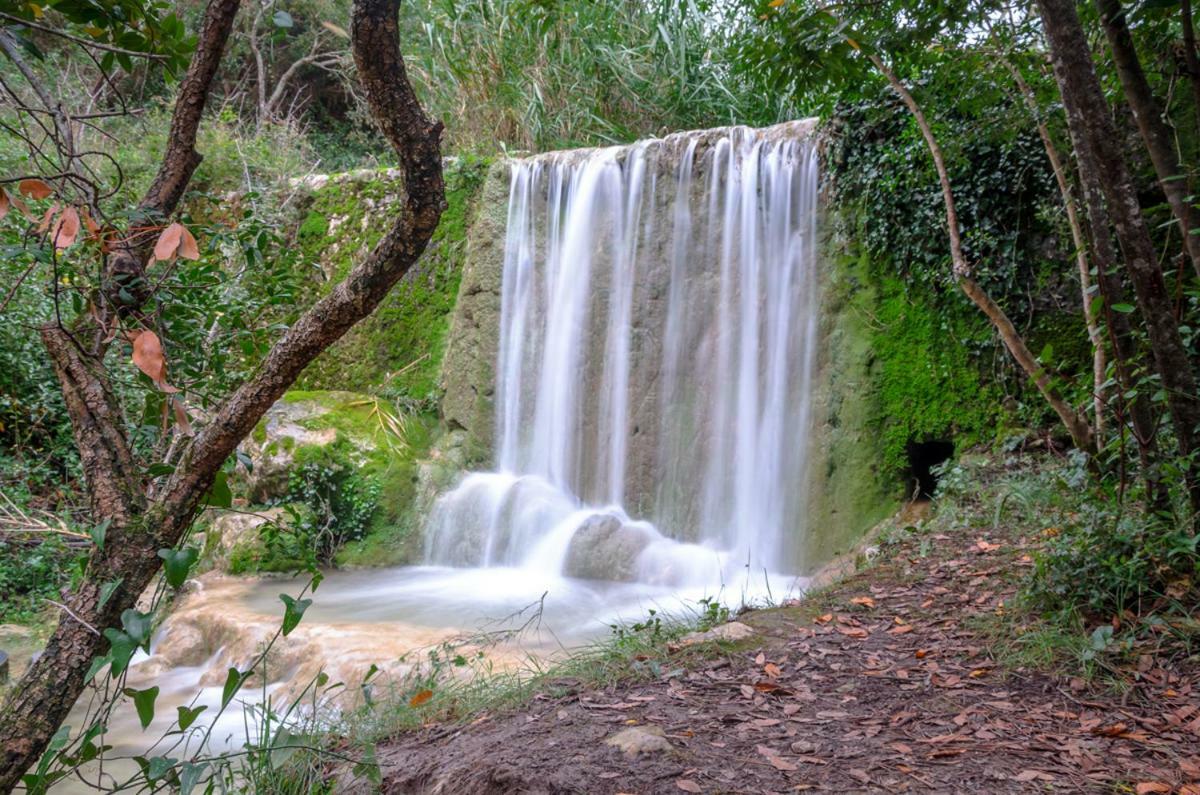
[1153, 129]
[140, 527]
[1092, 131]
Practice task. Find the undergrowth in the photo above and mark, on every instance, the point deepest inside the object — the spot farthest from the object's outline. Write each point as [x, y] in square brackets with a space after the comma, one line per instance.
[1102, 585]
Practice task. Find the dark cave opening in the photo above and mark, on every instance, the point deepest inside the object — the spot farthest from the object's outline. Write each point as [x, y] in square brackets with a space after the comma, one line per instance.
[923, 459]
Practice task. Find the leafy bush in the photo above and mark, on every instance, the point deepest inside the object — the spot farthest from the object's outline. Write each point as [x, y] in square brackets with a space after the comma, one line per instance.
[340, 503]
[1105, 562]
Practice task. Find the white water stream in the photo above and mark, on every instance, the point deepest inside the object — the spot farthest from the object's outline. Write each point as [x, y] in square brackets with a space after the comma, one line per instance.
[656, 350]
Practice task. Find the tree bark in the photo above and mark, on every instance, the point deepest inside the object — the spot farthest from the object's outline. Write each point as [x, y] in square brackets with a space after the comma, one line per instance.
[41, 700]
[1099, 365]
[1076, 424]
[1092, 130]
[1154, 131]
[1120, 330]
[1189, 55]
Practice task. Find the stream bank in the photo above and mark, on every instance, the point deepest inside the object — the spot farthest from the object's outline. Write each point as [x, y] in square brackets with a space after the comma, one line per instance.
[893, 679]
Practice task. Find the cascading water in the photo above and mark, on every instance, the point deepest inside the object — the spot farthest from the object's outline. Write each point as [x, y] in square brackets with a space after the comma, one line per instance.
[656, 350]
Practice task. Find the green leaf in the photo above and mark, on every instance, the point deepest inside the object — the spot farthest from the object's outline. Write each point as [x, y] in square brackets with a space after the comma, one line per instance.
[143, 701]
[139, 626]
[97, 664]
[177, 563]
[121, 649]
[98, 532]
[245, 461]
[219, 495]
[159, 766]
[190, 775]
[233, 681]
[107, 590]
[188, 715]
[1124, 309]
[293, 612]
[158, 470]
[283, 19]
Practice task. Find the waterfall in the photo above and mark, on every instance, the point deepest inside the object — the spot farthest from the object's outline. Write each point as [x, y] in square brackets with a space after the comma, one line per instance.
[657, 343]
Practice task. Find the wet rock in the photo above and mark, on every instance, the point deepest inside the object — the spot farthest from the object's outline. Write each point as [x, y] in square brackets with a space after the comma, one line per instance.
[228, 529]
[469, 366]
[606, 548]
[271, 448]
[730, 633]
[638, 740]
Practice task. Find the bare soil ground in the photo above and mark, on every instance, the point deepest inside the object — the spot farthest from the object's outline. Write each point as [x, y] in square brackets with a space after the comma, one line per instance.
[881, 683]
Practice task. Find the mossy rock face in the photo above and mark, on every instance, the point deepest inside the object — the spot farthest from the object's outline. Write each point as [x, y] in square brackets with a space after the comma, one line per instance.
[342, 461]
[468, 375]
[398, 350]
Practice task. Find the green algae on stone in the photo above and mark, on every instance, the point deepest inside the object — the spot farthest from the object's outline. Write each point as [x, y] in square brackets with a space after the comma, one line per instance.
[397, 350]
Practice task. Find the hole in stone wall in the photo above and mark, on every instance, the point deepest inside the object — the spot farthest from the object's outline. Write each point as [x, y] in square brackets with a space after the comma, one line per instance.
[923, 459]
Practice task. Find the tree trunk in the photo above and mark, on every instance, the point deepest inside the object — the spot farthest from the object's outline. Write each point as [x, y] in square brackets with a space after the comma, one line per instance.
[1120, 330]
[1091, 128]
[1153, 129]
[40, 702]
[1099, 365]
[1076, 425]
[1189, 55]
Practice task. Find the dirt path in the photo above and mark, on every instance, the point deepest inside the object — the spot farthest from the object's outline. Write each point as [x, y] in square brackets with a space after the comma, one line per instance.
[879, 684]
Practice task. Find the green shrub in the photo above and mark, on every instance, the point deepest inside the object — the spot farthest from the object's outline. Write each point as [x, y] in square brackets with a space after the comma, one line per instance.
[1107, 561]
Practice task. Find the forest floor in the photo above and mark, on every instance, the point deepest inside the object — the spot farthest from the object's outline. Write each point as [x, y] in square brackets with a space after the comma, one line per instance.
[889, 680]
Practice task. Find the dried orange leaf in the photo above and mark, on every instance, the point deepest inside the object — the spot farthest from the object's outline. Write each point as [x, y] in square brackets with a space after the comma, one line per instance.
[864, 601]
[1148, 787]
[66, 228]
[44, 224]
[181, 416]
[34, 188]
[5, 204]
[168, 242]
[420, 698]
[687, 785]
[148, 356]
[188, 249]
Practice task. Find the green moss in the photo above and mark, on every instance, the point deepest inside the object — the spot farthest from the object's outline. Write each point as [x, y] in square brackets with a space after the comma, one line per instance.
[929, 372]
[398, 350]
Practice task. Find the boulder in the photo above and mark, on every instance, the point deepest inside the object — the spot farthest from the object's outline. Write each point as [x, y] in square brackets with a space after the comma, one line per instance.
[286, 427]
[606, 548]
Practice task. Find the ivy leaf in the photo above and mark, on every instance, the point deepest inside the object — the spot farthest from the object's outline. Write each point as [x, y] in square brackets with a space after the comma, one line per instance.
[177, 563]
[158, 470]
[143, 701]
[108, 589]
[159, 766]
[121, 649]
[188, 715]
[233, 681]
[190, 775]
[138, 626]
[283, 19]
[219, 495]
[97, 664]
[98, 532]
[1124, 309]
[293, 612]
